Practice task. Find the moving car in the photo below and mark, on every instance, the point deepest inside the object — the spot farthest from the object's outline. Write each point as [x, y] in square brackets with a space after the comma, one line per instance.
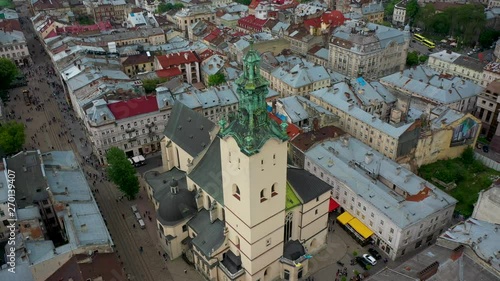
[363, 263]
[370, 259]
[374, 253]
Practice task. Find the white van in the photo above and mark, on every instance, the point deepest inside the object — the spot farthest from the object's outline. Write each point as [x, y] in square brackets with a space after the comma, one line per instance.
[138, 160]
[142, 224]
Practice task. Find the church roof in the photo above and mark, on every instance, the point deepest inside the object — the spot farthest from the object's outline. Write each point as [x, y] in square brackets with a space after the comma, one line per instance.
[188, 129]
[209, 235]
[306, 185]
[208, 172]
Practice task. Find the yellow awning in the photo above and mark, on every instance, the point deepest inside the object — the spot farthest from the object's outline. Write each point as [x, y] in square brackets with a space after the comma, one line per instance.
[360, 228]
[344, 218]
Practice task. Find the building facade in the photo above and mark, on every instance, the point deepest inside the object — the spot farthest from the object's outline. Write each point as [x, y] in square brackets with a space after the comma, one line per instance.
[380, 200]
[368, 50]
[456, 64]
[188, 16]
[187, 62]
[399, 14]
[112, 10]
[487, 107]
[491, 72]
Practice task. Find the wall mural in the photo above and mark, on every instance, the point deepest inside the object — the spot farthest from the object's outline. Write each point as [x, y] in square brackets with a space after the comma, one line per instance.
[465, 133]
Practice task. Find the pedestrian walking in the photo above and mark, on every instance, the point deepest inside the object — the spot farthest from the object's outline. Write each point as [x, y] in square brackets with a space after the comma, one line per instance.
[141, 249]
[133, 225]
[185, 271]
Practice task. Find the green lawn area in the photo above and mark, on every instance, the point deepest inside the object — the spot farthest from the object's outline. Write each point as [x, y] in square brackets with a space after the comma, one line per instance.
[6, 4]
[470, 179]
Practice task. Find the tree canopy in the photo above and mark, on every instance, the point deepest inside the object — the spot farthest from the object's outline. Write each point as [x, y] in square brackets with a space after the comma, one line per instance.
[12, 137]
[244, 2]
[8, 72]
[122, 173]
[216, 79]
[150, 84]
[164, 7]
[465, 22]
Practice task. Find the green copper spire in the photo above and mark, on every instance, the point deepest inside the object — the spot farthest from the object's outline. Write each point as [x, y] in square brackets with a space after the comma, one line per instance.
[252, 127]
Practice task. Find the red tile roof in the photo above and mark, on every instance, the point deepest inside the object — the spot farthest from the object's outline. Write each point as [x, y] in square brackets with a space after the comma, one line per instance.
[254, 4]
[78, 29]
[315, 22]
[81, 268]
[176, 59]
[251, 22]
[9, 25]
[305, 141]
[335, 18]
[133, 107]
[169, 72]
[291, 130]
[138, 59]
[213, 35]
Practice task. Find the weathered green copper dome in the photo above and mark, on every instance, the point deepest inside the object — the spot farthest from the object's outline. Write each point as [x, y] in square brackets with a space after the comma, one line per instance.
[251, 127]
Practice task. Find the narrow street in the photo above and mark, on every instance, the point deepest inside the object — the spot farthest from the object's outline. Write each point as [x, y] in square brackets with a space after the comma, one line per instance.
[51, 125]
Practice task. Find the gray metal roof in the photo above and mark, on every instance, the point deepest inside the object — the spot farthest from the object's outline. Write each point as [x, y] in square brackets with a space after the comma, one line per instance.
[208, 172]
[209, 235]
[336, 100]
[188, 129]
[445, 116]
[425, 82]
[294, 109]
[306, 185]
[337, 159]
[30, 181]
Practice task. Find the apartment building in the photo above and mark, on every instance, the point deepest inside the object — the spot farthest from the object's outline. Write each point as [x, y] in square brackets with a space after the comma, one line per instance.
[491, 72]
[292, 75]
[449, 62]
[373, 12]
[133, 125]
[132, 65]
[188, 16]
[449, 133]
[380, 200]
[152, 36]
[318, 55]
[390, 140]
[399, 13]
[425, 89]
[112, 10]
[487, 108]
[187, 62]
[368, 50]
[13, 44]
[55, 200]
[302, 38]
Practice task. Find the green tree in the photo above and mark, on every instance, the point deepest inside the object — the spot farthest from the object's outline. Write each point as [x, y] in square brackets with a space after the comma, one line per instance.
[488, 36]
[389, 9]
[150, 84]
[8, 72]
[216, 79]
[412, 59]
[244, 2]
[164, 7]
[121, 172]
[12, 137]
[468, 156]
[412, 9]
[85, 20]
[422, 58]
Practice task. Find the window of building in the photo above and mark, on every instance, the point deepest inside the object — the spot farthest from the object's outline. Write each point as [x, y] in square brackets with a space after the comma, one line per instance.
[263, 195]
[184, 228]
[236, 191]
[273, 190]
[288, 226]
[392, 230]
[381, 222]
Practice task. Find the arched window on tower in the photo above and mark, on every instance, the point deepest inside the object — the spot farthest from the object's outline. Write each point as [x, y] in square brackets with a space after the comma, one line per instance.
[236, 191]
[273, 189]
[263, 195]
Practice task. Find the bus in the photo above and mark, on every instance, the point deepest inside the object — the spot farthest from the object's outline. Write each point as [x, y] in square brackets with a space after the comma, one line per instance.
[429, 44]
[418, 37]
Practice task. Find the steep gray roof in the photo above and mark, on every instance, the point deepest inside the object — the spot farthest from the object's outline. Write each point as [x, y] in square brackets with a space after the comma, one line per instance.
[208, 173]
[306, 185]
[209, 235]
[188, 129]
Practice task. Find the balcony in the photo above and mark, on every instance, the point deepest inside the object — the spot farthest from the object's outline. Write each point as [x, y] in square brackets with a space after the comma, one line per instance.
[231, 265]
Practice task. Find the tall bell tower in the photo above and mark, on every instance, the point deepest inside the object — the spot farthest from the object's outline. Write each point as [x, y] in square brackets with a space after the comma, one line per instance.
[254, 163]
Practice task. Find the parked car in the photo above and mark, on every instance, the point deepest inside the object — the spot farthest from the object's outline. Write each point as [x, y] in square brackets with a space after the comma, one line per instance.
[363, 263]
[370, 259]
[374, 253]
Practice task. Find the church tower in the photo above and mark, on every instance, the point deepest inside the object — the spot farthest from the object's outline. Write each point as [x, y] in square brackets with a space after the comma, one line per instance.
[254, 163]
